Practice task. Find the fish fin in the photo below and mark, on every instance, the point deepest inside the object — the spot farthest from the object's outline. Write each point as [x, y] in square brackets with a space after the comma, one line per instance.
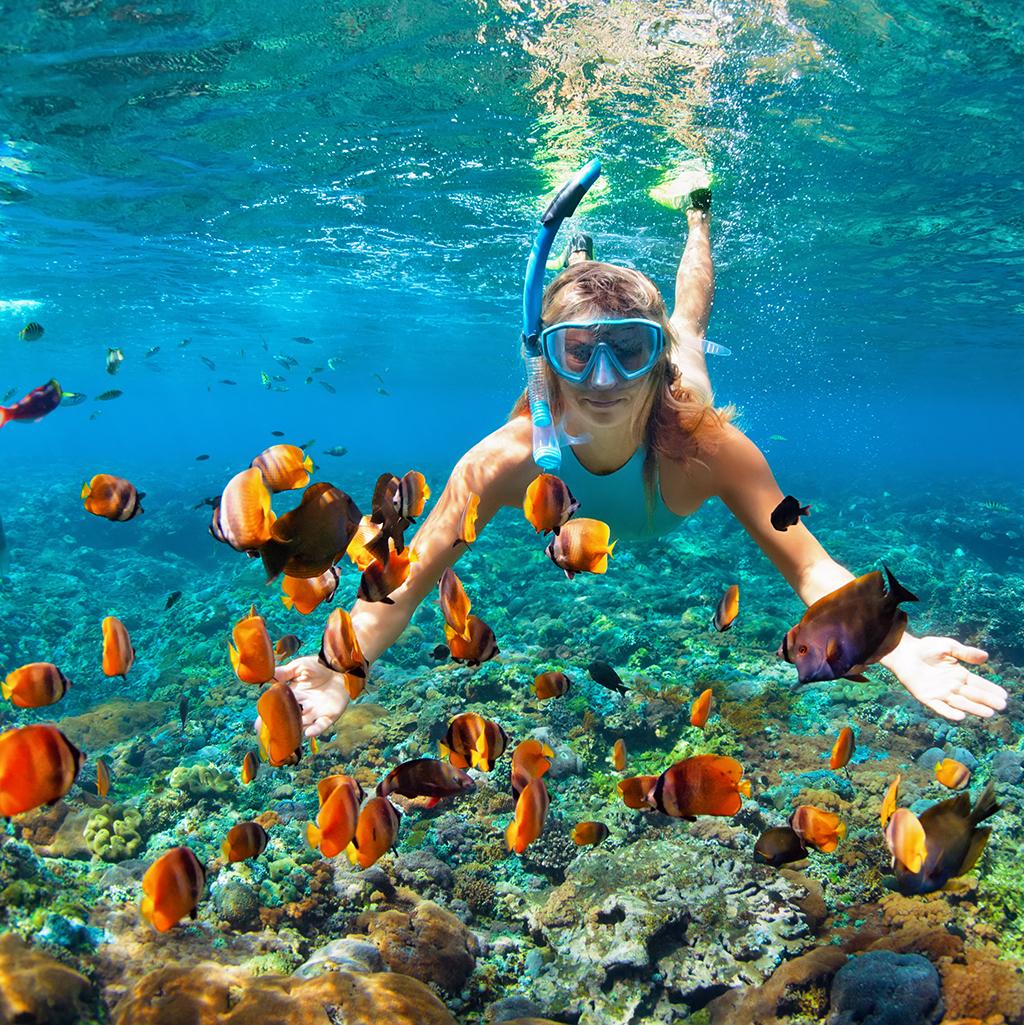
[833, 651]
[568, 575]
[978, 840]
[86, 491]
[510, 835]
[313, 835]
[352, 852]
[236, 657]
[986, 804]
[744, 787]
[444, 749]
[611, 548]
[432, 802]
[7, 689]
[307, 464]
[386, 600]
[857, 678]
[805, 510]
[897, 591]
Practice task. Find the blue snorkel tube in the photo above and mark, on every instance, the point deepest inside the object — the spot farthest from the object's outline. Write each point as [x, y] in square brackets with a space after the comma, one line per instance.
[547, 452]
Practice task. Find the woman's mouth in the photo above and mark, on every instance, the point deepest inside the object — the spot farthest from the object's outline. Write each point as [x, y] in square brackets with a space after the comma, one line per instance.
[602, 403]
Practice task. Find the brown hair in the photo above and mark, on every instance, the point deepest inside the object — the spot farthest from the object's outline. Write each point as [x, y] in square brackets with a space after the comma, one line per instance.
[677, 420]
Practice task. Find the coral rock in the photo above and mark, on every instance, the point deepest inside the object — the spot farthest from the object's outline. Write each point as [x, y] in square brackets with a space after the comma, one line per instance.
[883, 988]
[36, 989]
[984, 988]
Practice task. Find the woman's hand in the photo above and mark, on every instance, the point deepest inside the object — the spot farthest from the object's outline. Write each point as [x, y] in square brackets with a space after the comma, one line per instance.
[320, 692]
[929, 667]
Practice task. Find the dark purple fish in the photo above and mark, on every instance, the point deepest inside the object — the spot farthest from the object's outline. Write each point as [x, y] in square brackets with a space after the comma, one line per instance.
[779, 846]
[384, 510]
[34, 406]
[848, 630]
[425, 777]
[788, 512]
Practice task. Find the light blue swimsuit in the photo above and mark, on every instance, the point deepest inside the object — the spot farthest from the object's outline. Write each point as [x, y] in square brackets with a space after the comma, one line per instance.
[618, 498]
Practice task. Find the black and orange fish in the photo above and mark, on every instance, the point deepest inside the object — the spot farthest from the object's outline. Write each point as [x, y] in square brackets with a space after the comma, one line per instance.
[244, 841]
[548, 504]
[376, 832]
[425, 777]
[379, 579]
[35, 685]
[531, 813]
[242, 516]
[480, 646]
[455, 603]
[172, 888]
[339, 648]
[38, 765]
[252, 654]
[472, 740]
[284, 467]
[281, 725]
[411, 495]
[728, 609]
[113, 498]
[581, 546]
[531, 759]
[340, 797]
[118, 653]
[304, 595]
[701, 785]
[551, 685]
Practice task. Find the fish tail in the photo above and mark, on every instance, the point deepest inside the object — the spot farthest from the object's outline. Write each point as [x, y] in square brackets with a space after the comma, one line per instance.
[7, 689]
[307, 464]
[986, 804]
[5, 415]
[313, 835]
[287, 601]
[744, 787]
[352, 852]
[444, 749]
[86, 490]
[235, 656]
[510, 835]
[805, 510]
[611, 547]
[897, 591]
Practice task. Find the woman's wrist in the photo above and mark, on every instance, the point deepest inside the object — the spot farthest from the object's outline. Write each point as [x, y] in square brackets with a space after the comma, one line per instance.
[901, 657]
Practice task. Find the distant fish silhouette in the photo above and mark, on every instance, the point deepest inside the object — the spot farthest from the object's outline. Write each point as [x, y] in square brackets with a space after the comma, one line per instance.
[303, 340]
[172, 600]
[209, 362]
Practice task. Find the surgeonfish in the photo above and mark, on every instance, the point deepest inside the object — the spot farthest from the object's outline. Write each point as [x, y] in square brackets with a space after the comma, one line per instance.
[284, 467]
[31, 332]
[35, 685]
[304, 595]
[846, 631]
[892, 795]
[589, 834]
[817, 828]
[312, 537]
[466, 533]
[953, 841]
[102, 778]
[548, 504]
[384, 511]
[531, 759]
[635, 791]
[472, 740]
[112, 497]
[252, 654]
[619, 755]
[951, 773]
[243, 516]
[455, 603]
[339, 648]
[531, 811]
[411, 495]
[286, 646]
[33, 406]
[581, 546]
[38, 765]
[380, 579]
[606, 676]
[118, 653]
[788, 512]
[340, 798]
[281, 728]
[842, 749]
[728, 609]
[425, 777]
[244, 841]
[779, 846]
[701, 709]
[250, 767]
[172, 887]
[701, 785]
[376, 832]
[551, 685]
[481, 645]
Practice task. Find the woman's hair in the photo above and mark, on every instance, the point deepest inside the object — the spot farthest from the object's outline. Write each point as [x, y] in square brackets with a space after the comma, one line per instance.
[674, 419]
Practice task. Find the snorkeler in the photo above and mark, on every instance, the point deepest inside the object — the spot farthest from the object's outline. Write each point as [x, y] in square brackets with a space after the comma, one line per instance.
[629, 386]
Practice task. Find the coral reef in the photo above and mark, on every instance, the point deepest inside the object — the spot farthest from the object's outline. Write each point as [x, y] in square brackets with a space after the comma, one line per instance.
[112, 833]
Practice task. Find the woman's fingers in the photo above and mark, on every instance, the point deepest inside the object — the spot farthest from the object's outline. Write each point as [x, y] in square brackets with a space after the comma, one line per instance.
[319, 724]
[985, 692]
[964, 703]
[944, 709]
[286, 673]
[966, 653]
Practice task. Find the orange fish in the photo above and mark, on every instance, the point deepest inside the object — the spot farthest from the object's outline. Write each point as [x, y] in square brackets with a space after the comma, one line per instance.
[892, 795]
[635, 791]
[286, 646]
[102, 778]
[38, 765]
[111, 497]
[531, 811]
[701, 709]
[551, 685]
[481, 645]
[35, 685]
[589, 834]
[842, 750]
[548, 504]
[252, 654]
[905, 838]
[281, 729]
[340, 798]
[951, 773]
[172, 887]
[284, 467]
[380, 579]
[376, 832]
[530, 760]
[817, 828]
[474, 741]
[455, 603]
[118, 653]
[467, 521]
[411, 495]
[250, 767]
[619, 755]
[701, 785]
[305, 595]
[369, 544]
[728, 609]
[245, 840]
[355, 685]
[339, 649]
[581, 546]
[243, 517]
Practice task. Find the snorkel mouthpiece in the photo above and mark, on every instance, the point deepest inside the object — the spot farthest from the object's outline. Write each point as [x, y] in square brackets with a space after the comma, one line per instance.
[547, 452]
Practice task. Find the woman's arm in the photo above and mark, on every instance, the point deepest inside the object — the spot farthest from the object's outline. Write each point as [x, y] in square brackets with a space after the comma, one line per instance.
[929, 667]
[498, 469]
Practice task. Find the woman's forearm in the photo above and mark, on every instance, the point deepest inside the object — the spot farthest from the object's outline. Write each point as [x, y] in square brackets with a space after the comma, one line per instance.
[378, 625]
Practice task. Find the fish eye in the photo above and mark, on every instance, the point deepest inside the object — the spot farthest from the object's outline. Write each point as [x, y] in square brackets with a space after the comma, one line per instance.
[802, 650]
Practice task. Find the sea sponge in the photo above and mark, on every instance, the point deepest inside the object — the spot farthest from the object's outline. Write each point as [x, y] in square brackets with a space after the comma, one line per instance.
[199, 781]
[112, 832]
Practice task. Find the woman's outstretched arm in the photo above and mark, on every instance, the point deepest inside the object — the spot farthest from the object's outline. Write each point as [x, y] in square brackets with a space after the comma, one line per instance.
[695, 293]
[929, 667]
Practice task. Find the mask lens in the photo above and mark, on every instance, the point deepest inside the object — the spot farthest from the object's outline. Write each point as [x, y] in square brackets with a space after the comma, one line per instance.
[633, 347]
[633, 344]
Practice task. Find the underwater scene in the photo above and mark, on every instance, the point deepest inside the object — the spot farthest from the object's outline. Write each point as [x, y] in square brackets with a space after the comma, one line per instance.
[512, 512]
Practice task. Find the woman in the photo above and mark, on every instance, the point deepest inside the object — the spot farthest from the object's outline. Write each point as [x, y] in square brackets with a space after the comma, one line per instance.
[656, 449]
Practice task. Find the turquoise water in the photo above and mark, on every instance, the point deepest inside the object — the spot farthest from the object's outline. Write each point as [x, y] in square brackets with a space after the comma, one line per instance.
[369, 176]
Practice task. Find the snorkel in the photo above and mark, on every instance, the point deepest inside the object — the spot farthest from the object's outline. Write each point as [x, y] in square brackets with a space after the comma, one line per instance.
[547, 452]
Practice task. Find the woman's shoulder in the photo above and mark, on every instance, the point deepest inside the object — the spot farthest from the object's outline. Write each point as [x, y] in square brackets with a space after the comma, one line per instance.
[503, 460]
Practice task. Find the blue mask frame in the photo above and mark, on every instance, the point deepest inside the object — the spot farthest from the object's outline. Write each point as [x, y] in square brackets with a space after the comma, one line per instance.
[551, 354]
